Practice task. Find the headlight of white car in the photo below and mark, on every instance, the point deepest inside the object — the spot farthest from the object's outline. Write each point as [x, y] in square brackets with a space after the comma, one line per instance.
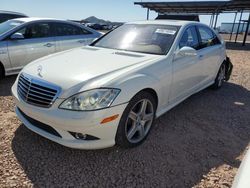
[91, 100]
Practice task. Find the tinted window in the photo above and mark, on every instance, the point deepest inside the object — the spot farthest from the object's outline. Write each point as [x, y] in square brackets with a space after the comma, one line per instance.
[190, 38]
[37, 30]
[68, 30]
[144, 38]
[5, 17]
[208, 38]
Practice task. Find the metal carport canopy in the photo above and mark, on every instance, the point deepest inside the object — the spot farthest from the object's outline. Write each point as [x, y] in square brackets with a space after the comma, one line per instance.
[200, 7]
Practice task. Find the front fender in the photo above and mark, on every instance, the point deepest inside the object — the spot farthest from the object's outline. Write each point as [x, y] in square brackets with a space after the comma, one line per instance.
[130, 86]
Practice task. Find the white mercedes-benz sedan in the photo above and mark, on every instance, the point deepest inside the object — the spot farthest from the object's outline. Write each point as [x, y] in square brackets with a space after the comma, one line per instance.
[111, 91]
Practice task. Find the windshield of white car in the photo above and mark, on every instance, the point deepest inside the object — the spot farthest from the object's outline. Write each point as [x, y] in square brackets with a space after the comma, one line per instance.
[143, 38]
[10, 24]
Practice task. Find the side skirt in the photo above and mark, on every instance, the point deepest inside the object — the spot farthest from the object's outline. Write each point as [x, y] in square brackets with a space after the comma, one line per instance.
[170, 106]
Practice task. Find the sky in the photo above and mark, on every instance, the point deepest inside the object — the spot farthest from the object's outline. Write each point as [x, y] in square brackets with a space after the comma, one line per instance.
[113, 10]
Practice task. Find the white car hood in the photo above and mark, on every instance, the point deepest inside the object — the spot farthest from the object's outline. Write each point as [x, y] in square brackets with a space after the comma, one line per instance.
[78, 66]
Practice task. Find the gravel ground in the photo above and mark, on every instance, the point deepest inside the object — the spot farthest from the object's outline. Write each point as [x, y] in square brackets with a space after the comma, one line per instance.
[199, 143]
[239, 38]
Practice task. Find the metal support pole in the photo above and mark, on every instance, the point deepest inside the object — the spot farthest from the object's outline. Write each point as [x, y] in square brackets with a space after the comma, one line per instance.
[212, 21]
[216, 18]
[238, 27]
[233, 26]
[148, 14]
[242, 28]
[246, 33]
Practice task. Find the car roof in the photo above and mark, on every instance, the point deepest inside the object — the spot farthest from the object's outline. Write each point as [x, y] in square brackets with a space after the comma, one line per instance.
[11, 12]
[165, 22]
[29, 19]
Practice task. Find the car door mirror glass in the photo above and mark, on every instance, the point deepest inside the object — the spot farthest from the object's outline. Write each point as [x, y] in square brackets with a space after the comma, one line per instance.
[187, 51]
[17, 36]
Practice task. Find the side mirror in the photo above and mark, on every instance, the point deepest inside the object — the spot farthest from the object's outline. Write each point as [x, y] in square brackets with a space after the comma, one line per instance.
[17, 36]
[187, 51]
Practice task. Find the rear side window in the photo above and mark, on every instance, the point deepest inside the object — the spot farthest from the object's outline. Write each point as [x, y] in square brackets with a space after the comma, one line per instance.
[189, 38]
[63, 29]
[208, 38]
[37, 30]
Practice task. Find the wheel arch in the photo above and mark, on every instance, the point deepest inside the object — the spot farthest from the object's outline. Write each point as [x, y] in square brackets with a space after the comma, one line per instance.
[152, 92]
[136, 84]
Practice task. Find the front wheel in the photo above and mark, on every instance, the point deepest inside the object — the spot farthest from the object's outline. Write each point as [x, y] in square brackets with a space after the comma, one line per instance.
[220, 78]
[136, 121]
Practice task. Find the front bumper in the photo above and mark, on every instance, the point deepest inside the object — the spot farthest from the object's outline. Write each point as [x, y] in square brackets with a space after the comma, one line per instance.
[64, 122]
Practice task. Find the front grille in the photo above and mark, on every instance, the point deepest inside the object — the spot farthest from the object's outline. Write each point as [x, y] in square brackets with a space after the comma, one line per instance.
[40, 125]
[36, 92]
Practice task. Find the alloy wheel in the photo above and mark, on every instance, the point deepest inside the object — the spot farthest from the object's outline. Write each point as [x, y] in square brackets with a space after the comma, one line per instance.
[221, 75]
[139, 121]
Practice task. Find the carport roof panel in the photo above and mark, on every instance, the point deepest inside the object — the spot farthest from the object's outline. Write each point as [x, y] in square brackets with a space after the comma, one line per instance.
[196, 6]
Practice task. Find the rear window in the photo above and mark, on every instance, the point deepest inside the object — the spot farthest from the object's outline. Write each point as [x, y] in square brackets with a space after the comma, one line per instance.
[208, 37]
[63, 29]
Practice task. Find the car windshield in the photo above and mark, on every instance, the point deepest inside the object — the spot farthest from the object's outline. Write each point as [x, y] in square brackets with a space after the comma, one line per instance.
[6, 26]
[144, 38]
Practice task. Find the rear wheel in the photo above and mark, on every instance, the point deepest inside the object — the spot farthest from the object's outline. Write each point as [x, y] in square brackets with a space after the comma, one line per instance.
[220, 78]
[136, 121]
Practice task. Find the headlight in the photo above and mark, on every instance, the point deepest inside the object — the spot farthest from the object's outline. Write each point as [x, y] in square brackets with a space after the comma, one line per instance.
[90, 100]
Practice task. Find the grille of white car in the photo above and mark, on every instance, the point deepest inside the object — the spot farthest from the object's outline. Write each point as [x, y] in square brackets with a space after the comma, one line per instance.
[37, 92]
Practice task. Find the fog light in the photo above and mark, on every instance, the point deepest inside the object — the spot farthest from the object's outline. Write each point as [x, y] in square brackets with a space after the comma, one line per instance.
[80, 136]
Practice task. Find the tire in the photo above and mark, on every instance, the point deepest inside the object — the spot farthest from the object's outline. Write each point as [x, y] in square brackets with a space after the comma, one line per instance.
[1, 71]
[220, 77]
[136, 122]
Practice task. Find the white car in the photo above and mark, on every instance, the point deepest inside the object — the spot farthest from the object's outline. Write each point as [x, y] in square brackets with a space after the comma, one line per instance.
[242, 179]
[23, 40]
[111, 91]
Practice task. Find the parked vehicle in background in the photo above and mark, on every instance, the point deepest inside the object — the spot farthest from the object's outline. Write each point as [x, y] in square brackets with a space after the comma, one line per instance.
[106, 27]
[8, 15]
[94, 26]
[23, 40]
[111, 91]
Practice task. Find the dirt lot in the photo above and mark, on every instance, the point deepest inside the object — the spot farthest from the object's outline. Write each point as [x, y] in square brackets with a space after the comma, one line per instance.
[199, 143]
[239, 38]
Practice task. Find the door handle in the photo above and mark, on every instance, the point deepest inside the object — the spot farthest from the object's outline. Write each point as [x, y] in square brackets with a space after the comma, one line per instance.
[201, 56]
[48, 45]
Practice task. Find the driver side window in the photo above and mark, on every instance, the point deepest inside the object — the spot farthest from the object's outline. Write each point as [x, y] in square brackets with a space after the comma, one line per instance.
[37, 30]
[189, 38]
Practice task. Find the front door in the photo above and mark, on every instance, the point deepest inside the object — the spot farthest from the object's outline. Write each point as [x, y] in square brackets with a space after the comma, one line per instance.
[187, 71]
[38, 41]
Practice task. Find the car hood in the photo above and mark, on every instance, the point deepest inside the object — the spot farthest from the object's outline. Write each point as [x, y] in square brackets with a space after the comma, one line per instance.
[81, 65]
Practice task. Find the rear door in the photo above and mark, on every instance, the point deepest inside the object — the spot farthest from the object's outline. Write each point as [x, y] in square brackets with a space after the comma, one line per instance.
[187, 71]
[38, 41]
[210, 52]
[71, 36]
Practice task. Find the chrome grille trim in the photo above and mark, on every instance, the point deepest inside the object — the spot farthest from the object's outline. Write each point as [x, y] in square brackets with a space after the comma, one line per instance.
[36, 91]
